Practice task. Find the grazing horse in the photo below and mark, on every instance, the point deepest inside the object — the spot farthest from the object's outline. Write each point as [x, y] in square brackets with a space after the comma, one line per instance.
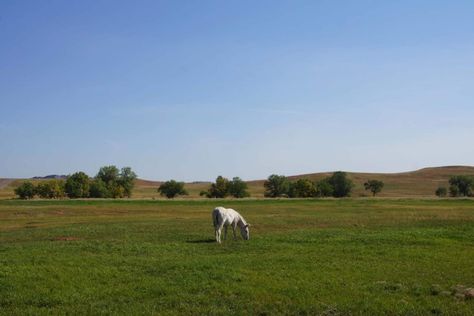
[223, 217]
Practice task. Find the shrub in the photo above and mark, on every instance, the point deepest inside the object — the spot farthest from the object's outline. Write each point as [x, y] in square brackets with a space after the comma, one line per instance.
[53, 189]
[26, 190]
[441, 192]
[43, 190]
[302, 188]
[172, 188]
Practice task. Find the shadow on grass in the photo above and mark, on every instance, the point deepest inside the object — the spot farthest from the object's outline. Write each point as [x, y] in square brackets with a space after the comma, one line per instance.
[201, 241]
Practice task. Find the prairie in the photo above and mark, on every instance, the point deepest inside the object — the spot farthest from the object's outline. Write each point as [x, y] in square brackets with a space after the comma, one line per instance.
[419, 184]
[306, 257]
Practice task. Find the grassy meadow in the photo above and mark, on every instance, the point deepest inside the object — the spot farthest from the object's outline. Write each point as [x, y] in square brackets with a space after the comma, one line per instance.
[305, 257]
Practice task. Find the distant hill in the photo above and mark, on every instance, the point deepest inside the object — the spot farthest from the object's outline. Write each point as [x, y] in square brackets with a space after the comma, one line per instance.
[419, 183]
[51, 176]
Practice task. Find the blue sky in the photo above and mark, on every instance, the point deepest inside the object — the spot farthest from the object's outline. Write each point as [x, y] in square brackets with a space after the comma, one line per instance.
[194, 89]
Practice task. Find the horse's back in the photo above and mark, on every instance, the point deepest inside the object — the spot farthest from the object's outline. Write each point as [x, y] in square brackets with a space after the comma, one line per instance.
[222, 215]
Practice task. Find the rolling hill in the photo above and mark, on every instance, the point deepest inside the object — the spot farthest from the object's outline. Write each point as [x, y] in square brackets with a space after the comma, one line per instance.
[419, 183]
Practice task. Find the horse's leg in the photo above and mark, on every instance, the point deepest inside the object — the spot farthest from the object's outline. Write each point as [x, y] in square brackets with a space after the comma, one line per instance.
[225, 232]
[218, 234]
[233, 230]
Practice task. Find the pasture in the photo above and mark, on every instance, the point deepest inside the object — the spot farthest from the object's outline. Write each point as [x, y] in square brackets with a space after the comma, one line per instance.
[304, 257]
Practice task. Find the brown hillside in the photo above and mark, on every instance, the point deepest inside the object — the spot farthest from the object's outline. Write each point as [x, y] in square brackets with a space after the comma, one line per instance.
[419, 183]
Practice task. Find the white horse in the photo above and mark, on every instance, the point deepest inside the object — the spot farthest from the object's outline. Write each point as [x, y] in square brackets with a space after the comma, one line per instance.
[223, 217]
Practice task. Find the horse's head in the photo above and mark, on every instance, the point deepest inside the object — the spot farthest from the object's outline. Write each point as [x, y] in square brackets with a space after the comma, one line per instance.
[244, 231]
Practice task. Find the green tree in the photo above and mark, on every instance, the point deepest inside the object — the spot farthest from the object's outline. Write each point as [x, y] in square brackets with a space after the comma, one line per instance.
[26, 190]
[108, 174]
[77, 185]
[219, 189]
[118, 183]
[52, 189]
[302, 188]
[375, 186]
[44, 190]
[116, 190]
[238, 188]
[172, 188]
[276, 186]
[454, 191]
[323, 188]
[58, 189]
[342, 186]
[127, 180]
[98, 189]
[441, 192]
[461, 185]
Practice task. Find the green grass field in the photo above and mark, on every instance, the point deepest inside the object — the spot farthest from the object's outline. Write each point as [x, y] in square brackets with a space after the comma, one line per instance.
[305, 257]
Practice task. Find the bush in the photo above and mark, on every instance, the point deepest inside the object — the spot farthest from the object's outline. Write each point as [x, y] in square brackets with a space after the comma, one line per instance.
[26, 190]
[276, 186]
[44, 190]
[342, 186]
[375, 186]
[441, 192]
[53, 189]
[302, 188]
[238, 188]
[172, 188]
[77, 185]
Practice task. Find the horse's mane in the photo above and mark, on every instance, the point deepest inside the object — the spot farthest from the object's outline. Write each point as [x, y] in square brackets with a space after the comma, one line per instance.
[242, 222]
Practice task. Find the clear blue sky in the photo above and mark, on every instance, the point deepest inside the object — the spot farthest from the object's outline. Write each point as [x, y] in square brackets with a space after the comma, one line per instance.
[194, 89]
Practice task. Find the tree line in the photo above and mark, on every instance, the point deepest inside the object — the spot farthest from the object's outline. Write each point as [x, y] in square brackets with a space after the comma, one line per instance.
[459, 186]
[222, 188]
[337, 185]
[110, 182]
